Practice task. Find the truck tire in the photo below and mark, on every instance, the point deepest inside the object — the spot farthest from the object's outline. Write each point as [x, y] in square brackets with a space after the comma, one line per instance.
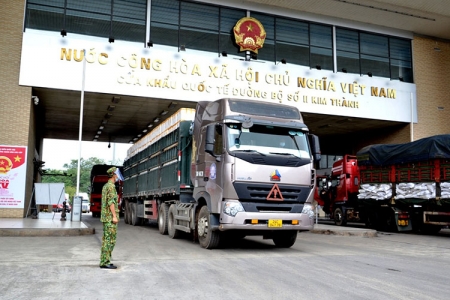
[126, 217]
[135, 221]
[171, 231]
[163, 215]
[284, 239]
[125, 214]
[339, 217]
[207, 238]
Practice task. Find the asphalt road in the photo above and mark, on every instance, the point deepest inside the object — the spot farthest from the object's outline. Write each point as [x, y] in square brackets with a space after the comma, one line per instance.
[152, 266]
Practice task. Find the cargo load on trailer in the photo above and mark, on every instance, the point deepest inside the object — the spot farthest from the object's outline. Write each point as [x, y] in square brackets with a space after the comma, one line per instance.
[396, 187]
[227, 169]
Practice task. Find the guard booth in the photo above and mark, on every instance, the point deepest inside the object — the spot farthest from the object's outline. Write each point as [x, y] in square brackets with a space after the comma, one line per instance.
[76, 209]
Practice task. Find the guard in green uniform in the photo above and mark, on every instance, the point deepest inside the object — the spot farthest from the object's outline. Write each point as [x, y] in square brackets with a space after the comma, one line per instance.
[109, 218]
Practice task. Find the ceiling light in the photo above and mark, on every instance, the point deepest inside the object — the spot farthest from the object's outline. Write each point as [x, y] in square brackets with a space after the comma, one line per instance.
[101, 127]
[104, 121]
[108, 115]
[115, 100]
[172, 105]
[111, 108]
[139, 135]
[144, 131]
[94, 140]
[150, 125]
[164, 112]
[135, 139]
[155, 120]
[99, 132]
[97, 136]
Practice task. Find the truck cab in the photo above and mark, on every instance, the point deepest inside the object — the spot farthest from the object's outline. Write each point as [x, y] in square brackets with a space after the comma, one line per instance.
[98, 180]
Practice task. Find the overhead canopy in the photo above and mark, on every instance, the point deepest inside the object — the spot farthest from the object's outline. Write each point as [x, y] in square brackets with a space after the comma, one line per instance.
[437, 146]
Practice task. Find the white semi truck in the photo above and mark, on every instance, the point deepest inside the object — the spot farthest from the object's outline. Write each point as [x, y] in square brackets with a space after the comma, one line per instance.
[229, 168]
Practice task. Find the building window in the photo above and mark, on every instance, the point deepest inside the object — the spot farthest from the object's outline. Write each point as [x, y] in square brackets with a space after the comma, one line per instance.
[401, 59]
[164, 22]
[120, 19]
[321, 41]
[292, 41]
[377, 55]
[199, 27]
[347, 51]
[195, 26]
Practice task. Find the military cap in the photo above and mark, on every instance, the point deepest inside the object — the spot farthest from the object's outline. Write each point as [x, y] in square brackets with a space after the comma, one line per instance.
[111, 171]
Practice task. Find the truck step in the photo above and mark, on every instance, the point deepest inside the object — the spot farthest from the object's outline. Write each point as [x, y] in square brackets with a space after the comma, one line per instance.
[182, 228]
[182, 218]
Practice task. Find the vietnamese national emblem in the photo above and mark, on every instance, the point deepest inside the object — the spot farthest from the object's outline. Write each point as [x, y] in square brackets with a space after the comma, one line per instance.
[249, 34]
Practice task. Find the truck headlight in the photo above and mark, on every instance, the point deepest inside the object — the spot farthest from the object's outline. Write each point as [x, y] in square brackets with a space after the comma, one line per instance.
[231, 208]
[308, 209]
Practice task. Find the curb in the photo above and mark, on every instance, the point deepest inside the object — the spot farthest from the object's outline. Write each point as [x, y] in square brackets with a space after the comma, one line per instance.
[31, 232]
[363, 233]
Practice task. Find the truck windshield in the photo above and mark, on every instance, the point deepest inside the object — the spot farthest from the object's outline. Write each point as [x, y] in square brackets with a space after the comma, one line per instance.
[266, 139]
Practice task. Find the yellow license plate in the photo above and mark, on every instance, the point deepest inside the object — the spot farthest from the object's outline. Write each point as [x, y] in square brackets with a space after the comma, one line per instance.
[275, 223]
[402, 222]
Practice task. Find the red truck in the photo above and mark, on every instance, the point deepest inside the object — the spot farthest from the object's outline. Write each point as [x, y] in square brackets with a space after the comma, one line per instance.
[399, 187]
[98, 180]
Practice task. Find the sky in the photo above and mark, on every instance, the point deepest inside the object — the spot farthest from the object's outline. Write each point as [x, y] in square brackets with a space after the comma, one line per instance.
[56, 153]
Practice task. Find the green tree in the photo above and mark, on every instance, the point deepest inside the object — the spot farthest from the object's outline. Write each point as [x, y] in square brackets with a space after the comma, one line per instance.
[69, 175]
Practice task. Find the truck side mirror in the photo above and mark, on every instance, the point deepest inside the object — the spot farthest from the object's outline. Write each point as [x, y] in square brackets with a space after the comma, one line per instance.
[315, 146]
[209, 139]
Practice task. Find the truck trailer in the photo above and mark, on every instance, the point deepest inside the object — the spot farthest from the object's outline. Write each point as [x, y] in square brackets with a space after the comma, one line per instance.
[227, 169]
[396, 187]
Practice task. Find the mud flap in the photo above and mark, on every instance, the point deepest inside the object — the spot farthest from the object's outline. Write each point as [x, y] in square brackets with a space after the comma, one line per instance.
[214, 220]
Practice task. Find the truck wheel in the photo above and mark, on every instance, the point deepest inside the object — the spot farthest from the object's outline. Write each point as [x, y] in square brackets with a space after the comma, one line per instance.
[128, 212]
[125, 213]
[163, 218]
[206, 237]
[173, 233]
[339, 217]
[135, 221]
[284, 239]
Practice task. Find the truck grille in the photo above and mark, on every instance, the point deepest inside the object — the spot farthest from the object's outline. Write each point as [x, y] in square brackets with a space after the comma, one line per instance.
[254, 192]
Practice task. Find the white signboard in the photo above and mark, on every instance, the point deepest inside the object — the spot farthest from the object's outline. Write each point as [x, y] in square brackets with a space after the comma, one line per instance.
[49, 193]
[126, 68]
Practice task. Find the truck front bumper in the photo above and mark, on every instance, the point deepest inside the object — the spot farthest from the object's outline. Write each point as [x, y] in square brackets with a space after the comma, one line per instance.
[261, 221]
